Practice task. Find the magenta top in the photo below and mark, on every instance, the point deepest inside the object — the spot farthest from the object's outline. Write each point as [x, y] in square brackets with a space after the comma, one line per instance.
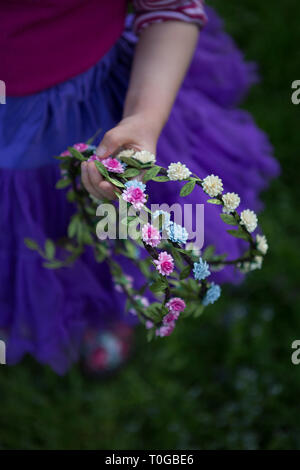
[45, 42]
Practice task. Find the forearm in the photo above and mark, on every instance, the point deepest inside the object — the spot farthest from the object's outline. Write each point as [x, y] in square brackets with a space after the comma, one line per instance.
[161, 59]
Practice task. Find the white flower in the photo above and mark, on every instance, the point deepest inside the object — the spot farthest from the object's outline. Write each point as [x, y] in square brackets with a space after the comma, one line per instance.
[258, 261]
[126, 153]
[212, 185]
[247, 266]
[144, 157]
[249, 219]
[262, 244]
[178, 171]
[231, 202]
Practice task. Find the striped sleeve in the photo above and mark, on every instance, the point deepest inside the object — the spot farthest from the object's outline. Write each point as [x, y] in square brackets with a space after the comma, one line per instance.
[157, 11]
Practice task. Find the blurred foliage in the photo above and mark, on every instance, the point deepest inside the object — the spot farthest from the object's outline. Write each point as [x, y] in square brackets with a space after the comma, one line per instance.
[224, 381]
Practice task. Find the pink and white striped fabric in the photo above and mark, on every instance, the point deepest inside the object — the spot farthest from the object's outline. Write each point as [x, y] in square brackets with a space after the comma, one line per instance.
[156, 11]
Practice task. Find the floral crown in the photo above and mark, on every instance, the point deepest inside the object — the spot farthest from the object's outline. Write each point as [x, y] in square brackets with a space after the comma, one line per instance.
[174, 271]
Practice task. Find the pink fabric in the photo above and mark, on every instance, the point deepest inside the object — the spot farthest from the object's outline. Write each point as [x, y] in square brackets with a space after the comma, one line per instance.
[155, 11]
[45, 42]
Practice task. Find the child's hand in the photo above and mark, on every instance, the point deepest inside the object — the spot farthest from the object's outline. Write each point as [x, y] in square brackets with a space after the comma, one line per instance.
[132, 132]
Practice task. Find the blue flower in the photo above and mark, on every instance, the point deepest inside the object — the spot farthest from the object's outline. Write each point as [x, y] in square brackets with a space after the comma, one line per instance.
[212, 294]
[177, 233]
[201, 270]
[136, 184]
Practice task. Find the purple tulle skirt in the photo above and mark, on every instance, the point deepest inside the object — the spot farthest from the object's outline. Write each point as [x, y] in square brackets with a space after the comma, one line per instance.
[45, 312]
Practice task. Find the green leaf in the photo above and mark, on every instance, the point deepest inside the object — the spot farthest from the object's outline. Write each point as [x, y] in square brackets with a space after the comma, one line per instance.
[256, 253]
[130, 249]
[158, 286]
[63, 183]
[130, 173]
[176, 257]
[76, 154]
[208, 252]
[238, 234]
[73, 225]
[31, 244]
[86, 236]
[49, 249]
[63, 159]
[154, 311]
[228, 219]
[71, 196]
[185, 272]
[144, 266]
[116, 182]
[100, 257]
[102, 169]
[187, 188]
[150, 334]
[130, 161]
[53, 265]
[214, 201]
[150, 174]
[160, 179]
[198, 310]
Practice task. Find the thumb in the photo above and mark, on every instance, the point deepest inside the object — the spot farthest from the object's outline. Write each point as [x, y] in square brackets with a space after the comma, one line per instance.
[109, 144]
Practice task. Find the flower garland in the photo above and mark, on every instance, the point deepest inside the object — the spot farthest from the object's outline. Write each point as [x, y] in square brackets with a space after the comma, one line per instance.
[174, 271]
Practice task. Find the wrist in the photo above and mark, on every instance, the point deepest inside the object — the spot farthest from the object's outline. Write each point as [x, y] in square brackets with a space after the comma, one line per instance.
[148, 119]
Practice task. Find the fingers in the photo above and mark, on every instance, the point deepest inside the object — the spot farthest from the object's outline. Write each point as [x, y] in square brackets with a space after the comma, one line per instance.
[110, 143]
[95, 184]
[94, 175]
[108, 190]
[98, 182]
[96, 192]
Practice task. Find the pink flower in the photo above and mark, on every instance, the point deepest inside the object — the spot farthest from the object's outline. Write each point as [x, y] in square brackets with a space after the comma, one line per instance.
[94, 157]
[149, 324]
[176, 306]
[165, 330]
[135, 196]
[151, 235]
[164, 264]
[66, 153]
[81, 147]
[170, 318]
[113, 165]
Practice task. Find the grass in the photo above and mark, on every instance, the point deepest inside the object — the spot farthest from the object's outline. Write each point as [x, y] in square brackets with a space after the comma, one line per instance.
[224, 381]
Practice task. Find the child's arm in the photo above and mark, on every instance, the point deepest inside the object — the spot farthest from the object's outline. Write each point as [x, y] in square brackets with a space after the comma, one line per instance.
[161, 59]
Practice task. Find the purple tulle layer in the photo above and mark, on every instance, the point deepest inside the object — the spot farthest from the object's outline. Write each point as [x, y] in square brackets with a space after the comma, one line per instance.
[45, 312]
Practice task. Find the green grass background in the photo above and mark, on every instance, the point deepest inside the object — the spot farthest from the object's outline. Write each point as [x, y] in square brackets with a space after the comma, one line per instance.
[224, 381]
